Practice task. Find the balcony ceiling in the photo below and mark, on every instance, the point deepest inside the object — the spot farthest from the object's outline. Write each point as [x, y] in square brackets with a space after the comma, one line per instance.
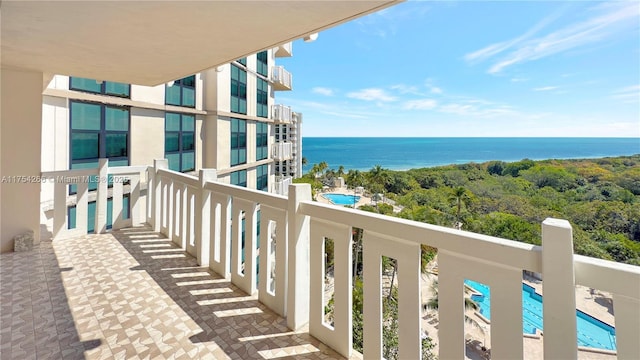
[149, 43]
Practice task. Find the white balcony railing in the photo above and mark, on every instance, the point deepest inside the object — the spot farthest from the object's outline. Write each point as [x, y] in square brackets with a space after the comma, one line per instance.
[281, 78]
[101, 177]
[203, 216]
[281, 151]
[281, 114]
[281, 185]
[284, 50]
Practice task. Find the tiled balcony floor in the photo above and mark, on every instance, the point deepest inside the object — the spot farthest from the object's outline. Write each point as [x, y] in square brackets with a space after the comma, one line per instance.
[132, 294]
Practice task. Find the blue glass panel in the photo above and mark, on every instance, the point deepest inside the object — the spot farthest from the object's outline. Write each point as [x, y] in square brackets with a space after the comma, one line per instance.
[116, 119]
[188, 97]
[172, 95]
[187, 141]
[85, 165]
[172, 122]
[234, 157]
[118, 163]
[188, 123]
[85, 145]
[116, 88]
[84, 84]
[85, 116]
[174, 161]
[188, 161]
[116, 144]
[171, 141]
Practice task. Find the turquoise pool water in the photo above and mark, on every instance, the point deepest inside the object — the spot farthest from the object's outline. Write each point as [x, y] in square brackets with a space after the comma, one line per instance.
[342, 199]
[592, 332]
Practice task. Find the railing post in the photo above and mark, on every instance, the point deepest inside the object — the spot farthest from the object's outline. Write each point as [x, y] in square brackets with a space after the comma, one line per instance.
[558, 289]
[156, 199]
[101, 197]
[297, 306]
[203, 216]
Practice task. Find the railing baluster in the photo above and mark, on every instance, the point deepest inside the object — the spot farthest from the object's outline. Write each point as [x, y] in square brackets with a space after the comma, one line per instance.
[220, 259]
[450, 305]
[298, 262]
[340, 337]
[269, 218]
[101, 197]
[558, 287]
[203, 216]
[627, 326]
[134, 199]
[59, 208]
[116, 205]
[82, 208]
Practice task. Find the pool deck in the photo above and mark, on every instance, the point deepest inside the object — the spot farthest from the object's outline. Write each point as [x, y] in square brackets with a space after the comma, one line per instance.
[598, 306]
[344, 191]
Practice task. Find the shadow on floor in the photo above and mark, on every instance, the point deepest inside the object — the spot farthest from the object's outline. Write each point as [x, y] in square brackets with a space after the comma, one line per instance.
[238, 324]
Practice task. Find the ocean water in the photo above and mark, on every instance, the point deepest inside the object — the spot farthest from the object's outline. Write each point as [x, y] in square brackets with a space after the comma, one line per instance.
[409, 153]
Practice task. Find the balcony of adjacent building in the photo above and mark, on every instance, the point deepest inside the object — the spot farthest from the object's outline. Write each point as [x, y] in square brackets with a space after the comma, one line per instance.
[172, 278]
[284, 50]
[281, 114]
[281, 185]
[281, 79]
[281, 151]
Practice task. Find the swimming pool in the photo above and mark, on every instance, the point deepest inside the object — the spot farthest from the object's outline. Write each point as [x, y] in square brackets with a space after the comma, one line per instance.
[342, 199]
[592, 332]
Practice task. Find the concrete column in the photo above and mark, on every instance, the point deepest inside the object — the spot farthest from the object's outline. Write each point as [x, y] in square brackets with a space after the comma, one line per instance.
[298, 272]
[20, 154]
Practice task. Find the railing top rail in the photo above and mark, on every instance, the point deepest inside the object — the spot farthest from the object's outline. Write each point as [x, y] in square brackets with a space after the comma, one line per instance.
[190, 181]
[70, 173]
[124, 170]
[597, 274]
[496, 250]
[261, 197]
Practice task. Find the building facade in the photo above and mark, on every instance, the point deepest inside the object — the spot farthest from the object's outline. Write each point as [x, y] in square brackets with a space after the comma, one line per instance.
[220, 118]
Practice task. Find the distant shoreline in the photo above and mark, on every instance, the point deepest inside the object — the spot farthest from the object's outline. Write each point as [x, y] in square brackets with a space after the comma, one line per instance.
[401, 154]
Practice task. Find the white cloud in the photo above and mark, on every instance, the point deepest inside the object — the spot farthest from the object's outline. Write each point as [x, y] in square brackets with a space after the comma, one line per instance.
[497, 48]
[613, 18]
[422, 104]
[406, 89]
[322, 91]
[436, 90]
[545, 88]
[371, 94]
[629, 94]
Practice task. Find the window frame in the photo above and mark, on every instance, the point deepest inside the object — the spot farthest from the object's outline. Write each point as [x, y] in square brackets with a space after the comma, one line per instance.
[102, 134]
[180, 84]
[238, 135]
[262, 177]
[241, 90]
[181, 132]
[103, 87]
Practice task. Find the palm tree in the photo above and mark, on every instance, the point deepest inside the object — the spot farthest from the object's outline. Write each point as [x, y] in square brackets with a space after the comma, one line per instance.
[322, 166]
[378, 178]
[460, 195]
[340, 171]
[304, 161]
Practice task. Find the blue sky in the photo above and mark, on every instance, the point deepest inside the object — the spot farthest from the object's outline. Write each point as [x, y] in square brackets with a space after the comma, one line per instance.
[503, 68]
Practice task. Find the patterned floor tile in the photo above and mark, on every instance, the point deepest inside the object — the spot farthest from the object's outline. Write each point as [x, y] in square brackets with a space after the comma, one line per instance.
[125, 295]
